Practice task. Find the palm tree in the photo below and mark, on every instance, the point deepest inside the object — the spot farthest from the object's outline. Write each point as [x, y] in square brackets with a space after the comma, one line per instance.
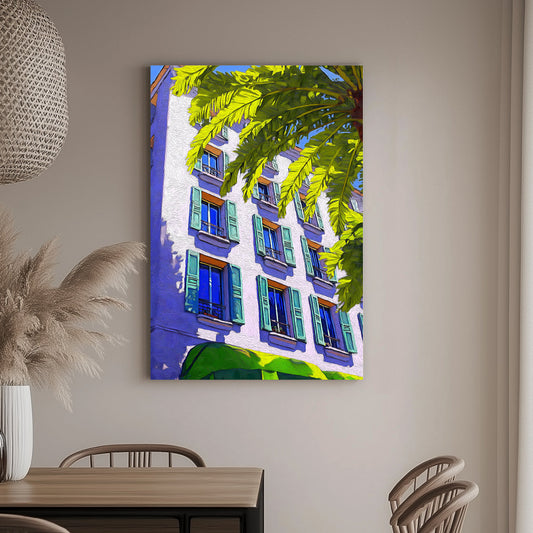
[281, 107]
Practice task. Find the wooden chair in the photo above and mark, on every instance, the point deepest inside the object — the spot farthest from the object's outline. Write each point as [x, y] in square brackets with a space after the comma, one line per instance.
[418, 481]
[138, 455]
[11, 523]
[441, 510]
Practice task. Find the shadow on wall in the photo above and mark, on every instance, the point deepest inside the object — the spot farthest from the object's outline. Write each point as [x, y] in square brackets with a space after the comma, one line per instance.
[167, 343]
[172, 330]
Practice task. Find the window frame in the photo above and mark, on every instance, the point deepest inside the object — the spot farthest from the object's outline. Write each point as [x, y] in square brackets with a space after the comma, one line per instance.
[219, 308]
[220, 231]
[276, 323]
[328, 329]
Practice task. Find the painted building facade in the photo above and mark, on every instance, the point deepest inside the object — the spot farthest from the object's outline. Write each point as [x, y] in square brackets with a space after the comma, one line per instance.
[228, 271]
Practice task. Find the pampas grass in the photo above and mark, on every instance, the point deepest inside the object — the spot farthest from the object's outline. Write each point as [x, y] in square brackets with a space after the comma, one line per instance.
[46, 330]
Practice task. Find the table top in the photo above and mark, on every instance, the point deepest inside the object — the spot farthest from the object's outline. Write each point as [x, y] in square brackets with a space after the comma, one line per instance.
[230, 487]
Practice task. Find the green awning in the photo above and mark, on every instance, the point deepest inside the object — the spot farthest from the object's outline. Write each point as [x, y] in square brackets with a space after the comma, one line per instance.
[216, 360]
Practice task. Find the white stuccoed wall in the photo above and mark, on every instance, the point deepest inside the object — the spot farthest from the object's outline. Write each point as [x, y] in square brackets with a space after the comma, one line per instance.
[175, 214]
[331, 451]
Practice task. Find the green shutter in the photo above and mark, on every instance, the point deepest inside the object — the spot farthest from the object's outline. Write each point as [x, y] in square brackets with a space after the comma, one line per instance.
[259, 237]
[307, 256]
[317, 323]
[288, 250]
[231, 221]
[195, 218]
[360, 320]
[225, 163]
[224, 132]
[319, 222]
[297, 314]
[274, 164]
[198, 164]
[192, 281]
[334, 277]
[299, 208]
[255, 191]
[264, 304]
[235, 294]
[277, 194]
[347, 332]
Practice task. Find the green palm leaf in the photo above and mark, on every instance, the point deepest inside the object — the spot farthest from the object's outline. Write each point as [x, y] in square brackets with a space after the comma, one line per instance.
[281, 107]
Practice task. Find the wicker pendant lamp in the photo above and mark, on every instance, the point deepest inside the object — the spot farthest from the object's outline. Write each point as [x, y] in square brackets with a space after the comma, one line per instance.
[33, 91]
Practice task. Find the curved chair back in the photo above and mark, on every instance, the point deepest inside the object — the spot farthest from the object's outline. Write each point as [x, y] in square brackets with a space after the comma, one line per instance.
[137, 455]
[441, 510]
[420, 480]
[11, 523]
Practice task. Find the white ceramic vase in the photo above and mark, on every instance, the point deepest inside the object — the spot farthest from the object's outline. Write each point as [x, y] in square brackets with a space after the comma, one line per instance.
[16, 425]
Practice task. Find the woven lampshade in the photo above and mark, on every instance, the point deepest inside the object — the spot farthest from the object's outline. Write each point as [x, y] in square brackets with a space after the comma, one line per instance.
[33, 91]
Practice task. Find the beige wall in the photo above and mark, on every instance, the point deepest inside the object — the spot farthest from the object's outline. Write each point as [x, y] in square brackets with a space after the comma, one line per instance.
[433, 90]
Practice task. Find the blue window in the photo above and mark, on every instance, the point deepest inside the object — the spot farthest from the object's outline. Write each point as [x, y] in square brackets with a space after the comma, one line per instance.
[327, 327]
[278, 315]
[210, 292]
[262, 190]
[211, 219]
[210, 164]
[271, 243]
[318, 270]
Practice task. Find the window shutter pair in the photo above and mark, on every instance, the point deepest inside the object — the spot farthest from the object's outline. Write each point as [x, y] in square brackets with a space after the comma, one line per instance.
[224, 133]
[344, 319]
[195, 221]
[224, 163]
[334, 277]
[307, 257]
[300, 211]
[295, 302]
[286, 239]
[192, 285]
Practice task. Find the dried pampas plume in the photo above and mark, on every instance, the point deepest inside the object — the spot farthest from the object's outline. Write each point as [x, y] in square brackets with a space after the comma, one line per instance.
[44, 329]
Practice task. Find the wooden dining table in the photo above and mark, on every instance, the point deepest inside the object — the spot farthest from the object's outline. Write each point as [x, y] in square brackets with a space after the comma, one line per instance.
[149, 499]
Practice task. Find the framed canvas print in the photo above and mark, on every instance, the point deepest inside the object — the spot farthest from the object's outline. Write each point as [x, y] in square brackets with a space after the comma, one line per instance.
[256, 222]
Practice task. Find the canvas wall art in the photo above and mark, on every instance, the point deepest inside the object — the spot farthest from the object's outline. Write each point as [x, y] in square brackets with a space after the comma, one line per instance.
[256, 222]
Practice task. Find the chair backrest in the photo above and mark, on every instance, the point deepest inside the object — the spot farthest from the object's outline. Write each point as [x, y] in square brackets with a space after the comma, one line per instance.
[420, 480]
[137, 455]
[26, 524]
[441, 510]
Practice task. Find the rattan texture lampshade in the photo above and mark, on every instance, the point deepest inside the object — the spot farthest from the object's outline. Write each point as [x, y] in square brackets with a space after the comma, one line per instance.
[33, 91]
